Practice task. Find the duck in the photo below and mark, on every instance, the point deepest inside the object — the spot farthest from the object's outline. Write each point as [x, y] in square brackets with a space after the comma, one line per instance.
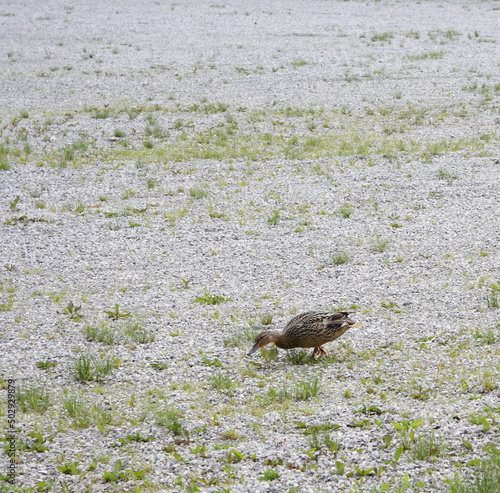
[309, 329]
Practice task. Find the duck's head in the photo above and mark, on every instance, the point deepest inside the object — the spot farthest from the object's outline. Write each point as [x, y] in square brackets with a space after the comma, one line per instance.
[263, 338]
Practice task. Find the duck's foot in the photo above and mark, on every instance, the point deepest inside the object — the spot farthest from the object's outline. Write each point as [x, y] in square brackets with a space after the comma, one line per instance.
[319, 351]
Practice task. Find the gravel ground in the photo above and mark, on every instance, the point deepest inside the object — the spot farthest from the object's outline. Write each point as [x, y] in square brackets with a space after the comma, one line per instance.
[177, 176]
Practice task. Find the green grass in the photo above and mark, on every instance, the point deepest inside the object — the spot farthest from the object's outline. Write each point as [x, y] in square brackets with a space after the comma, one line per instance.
[432, 55]
[210, 299]
[172, 419]
[443, 174]
[243, 338]
[340, 257]
[93, 367]
[380, 245]
[198, 193]
[427, 446]
[33, 398]
[305, 390]
[223, 382]
[101, 333]
[297, 357]
[485, 479]
[274, 218]
[346, 210]
[256, 146]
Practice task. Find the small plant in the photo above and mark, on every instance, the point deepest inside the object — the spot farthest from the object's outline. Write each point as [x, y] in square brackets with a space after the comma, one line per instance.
[115, 313]
[486, 478]
[269, 475]
[222, 381]
[297, 356]
[39, 442]
[33, 398]
[73, 311]
[340, 257]
[89, 367]
[115, 474]
[269, 353]
[443, 174]
[139, 334]
[319, 441]
[485, 335]
[70, 468]
[172, 420]
[346, 210]
[13, 203]
[266, 319]
[492, 295]
[100, 333]
[305, 390]
[274, 218]
[241, 338]
[383, 37]
[339, 468]
[209, 299]
[380, 245]
[426, 446]
[77, 409]
[406, 431]
[159, 366]
[234, 455]
[46, 365]
[198, 193]
[418, 392]
[480, 420]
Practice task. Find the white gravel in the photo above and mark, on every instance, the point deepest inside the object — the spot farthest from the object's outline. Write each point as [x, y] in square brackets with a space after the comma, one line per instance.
[107, 111]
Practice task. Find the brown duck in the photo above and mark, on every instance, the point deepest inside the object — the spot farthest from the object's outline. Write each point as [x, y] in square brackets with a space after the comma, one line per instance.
[310, 329]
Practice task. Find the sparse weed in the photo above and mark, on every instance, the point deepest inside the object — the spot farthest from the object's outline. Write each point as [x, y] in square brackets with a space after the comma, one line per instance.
[223, 382]
[198, 193]
[172, 420]
[46, 365]
[241, 338]
[379, 245]
[274, 218]
[426, 446]
[101, 333]
[73, 311]
[340, 257]
[485, 335]
[346, 210]
[92, 367]
[492, 295]
[70, 468]
[303, 391]
[486, 477]
[297, 356]
[209, 299]
[116, 314]
[33, 398]
[139, 334]
[269, 475]
[443, 174]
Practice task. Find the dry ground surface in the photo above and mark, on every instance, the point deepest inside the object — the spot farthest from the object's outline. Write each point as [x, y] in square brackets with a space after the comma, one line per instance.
[175, 176]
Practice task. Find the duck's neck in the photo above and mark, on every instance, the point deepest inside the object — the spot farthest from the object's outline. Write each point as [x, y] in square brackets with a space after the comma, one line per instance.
[279, 340]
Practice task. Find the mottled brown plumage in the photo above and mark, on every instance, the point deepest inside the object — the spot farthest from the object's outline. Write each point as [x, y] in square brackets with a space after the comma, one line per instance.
[310, 329]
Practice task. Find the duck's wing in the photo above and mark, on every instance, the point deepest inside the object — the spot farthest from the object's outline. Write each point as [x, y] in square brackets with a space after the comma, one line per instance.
[337, 319]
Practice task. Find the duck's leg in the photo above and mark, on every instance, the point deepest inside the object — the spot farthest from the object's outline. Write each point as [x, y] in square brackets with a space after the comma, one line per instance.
[319, 351]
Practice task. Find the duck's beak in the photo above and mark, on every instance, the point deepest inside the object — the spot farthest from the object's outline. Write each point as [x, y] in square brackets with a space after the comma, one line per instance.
[254, 348]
